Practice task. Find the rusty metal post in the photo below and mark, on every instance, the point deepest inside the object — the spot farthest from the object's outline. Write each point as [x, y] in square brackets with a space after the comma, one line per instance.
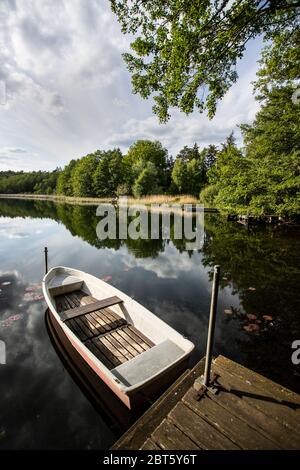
[211, 325]
[46, 259]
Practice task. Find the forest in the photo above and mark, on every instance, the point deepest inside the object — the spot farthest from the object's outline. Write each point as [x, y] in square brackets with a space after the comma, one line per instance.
[260, 177]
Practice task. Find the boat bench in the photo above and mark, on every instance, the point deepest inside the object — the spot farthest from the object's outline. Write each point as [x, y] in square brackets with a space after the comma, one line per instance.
[148, 363]
[65, 284]
[85, 309]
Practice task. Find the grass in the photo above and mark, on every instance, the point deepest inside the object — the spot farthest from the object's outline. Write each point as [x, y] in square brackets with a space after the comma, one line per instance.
[163, 199]
[147, 200]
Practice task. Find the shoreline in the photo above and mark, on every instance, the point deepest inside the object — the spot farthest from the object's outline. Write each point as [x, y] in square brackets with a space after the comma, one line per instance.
[86, 201]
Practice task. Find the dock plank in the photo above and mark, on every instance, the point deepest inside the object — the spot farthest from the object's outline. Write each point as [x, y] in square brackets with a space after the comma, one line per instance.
[234, 428]
[199, 430]
[255, 418]
[239, 416]
[169, 437]
[150, 445]
[262, 400]
[268, 386]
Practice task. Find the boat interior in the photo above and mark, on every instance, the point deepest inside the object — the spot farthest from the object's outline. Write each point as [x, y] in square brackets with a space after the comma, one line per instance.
[131, 356]
[110, 338]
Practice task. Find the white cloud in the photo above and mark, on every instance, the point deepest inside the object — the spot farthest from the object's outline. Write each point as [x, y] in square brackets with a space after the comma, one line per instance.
[12, 158]
[68, 91]
[238, 106]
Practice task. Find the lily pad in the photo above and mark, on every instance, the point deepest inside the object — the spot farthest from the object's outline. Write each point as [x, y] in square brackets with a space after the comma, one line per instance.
[251, 316]
[228, 311]
[267, 317]
[32, 297]
[10, 320]
[251, 328]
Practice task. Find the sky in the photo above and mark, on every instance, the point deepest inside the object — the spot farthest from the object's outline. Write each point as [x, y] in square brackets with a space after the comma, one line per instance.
[65, 90]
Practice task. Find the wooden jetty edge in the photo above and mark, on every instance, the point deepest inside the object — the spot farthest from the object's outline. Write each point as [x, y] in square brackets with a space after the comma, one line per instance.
[248, 411]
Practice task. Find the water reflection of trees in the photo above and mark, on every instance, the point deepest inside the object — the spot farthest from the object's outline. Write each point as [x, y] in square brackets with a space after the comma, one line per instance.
[82, 221]
[261, 265]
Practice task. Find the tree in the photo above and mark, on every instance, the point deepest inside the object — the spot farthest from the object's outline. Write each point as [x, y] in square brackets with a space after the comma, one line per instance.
[108, 173]
[180, 176]
[82, 176]
[280, 63]
[187, 154]
[273, 140]
[266, 179]
[64, 181]
[272, 147]
[38, 182]
[146, 182]
[185, 52]
[142, 152]
[209, 154]
[230, 178]
[188, 173]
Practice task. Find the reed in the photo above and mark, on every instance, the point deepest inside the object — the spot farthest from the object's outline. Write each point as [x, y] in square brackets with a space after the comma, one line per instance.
[147, 200]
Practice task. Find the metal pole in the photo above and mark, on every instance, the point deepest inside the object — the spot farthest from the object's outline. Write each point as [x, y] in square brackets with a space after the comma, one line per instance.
[211, 325]
[46, 259]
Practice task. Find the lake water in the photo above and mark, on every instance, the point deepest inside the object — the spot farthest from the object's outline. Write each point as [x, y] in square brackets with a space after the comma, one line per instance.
[41, 406]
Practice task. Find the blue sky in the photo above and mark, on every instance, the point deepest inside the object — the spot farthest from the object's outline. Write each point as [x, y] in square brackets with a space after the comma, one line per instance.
[68, 92]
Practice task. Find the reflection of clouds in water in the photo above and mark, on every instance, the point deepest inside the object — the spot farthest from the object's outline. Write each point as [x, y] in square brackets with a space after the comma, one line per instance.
[21, 228]
[192, 321]
[167, 264]
[183, 320]
[39, 399]
[7, 274]
[14, 234]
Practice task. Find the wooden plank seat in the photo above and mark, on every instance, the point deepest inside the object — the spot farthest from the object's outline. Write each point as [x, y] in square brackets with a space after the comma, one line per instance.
[92, 307]
[107, 335]
[119, 346]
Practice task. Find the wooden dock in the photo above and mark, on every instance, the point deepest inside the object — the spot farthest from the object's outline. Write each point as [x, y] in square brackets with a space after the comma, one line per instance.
[248, 412]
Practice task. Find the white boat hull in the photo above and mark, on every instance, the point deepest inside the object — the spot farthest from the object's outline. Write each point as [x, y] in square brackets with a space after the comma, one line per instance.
[142, 377]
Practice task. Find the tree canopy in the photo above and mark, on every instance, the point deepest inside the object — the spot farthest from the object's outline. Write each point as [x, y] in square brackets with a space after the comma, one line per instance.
[108, 175]
[185, 52]
[266, 177]
[36, 182]
[144, 151]
[189, 172]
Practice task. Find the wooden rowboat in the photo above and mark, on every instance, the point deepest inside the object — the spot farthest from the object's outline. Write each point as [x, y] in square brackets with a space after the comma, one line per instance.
[134, 352]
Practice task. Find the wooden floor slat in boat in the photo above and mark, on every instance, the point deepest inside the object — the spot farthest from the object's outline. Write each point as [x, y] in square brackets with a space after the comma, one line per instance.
[108, 336]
